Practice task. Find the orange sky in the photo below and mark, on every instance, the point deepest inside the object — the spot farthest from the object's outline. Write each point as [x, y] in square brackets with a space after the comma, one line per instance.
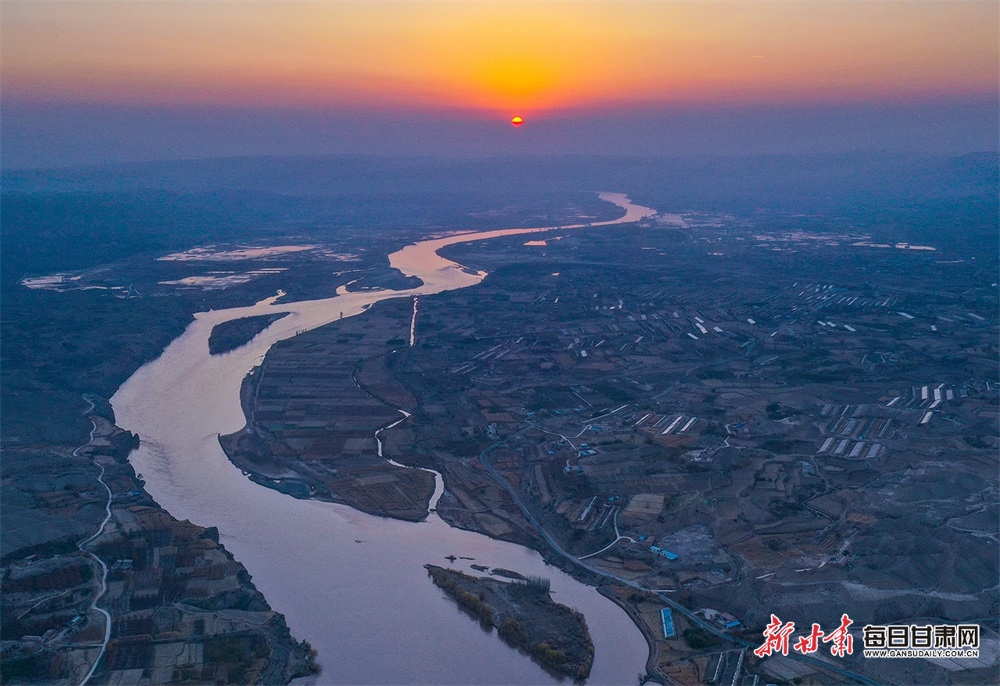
[496, 57]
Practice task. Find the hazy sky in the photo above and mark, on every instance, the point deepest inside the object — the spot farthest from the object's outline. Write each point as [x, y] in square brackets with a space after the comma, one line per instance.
[130, 80]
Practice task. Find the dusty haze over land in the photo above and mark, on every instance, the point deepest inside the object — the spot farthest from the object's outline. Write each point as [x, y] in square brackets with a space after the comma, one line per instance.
[120, 82]
[281, 337]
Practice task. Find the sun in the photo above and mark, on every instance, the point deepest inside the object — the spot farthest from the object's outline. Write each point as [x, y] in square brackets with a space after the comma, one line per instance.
[517, 121]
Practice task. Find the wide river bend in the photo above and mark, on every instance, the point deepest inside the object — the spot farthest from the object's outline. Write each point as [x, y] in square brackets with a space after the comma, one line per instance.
[351, 584]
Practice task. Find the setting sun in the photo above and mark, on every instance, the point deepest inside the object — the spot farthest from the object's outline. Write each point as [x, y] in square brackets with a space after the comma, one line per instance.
[517, 121]
[494, 56]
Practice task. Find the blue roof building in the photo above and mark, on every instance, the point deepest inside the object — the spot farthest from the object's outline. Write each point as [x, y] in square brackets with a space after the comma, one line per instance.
[667, 618]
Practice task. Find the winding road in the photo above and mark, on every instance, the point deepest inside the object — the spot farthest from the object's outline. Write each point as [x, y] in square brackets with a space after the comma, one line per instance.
[82, 546]
[618, 537]
[484, 459]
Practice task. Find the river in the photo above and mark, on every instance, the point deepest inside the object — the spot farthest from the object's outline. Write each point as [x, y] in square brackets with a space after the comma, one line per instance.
[351, 584]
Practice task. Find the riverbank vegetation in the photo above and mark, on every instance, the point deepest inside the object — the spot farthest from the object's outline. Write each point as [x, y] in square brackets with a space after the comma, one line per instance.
[236, 332]
[524, 616]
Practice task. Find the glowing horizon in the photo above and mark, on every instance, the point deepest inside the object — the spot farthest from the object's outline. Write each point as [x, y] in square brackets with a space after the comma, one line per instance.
[510, 58]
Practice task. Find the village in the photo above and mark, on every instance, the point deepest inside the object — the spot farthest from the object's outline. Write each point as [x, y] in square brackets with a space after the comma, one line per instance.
[726, 434]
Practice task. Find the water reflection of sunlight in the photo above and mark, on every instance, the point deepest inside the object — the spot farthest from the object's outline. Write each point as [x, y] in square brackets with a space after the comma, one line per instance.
[344, 597]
